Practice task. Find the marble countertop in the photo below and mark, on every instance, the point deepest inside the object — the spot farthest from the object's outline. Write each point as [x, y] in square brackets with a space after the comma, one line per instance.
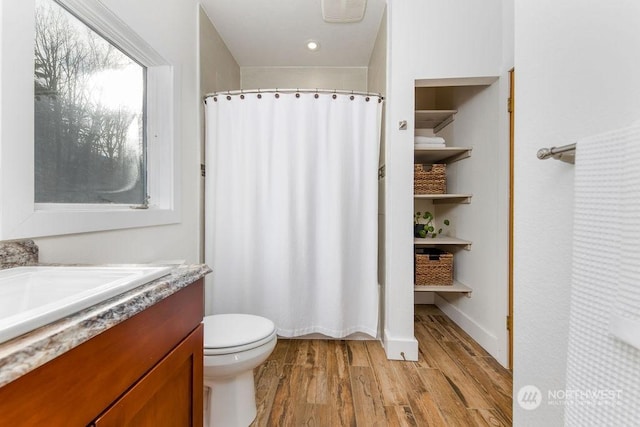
[29, 351]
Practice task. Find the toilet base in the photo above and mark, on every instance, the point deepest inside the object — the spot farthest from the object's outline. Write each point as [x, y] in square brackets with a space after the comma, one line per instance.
[232, 401]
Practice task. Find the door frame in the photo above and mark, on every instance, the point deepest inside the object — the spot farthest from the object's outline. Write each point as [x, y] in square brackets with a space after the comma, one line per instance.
[511, 109]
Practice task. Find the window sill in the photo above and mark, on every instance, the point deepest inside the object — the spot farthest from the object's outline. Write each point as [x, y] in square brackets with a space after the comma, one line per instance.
[53, 222]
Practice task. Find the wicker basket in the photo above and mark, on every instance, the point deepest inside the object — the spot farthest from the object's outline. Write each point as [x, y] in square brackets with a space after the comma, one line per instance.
[434, 267]
[429, 179]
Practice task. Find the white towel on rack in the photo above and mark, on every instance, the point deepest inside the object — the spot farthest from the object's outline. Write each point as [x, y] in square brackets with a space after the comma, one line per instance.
[625, 322]
[428, 140]
[605, 278]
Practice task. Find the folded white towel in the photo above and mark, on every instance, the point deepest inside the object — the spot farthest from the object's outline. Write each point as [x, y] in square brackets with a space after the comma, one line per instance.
[420, 146]
[436, 140]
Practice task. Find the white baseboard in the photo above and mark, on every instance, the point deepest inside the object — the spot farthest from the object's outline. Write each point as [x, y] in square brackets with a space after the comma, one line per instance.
[356, 336]
[487, 340]
[400, 348]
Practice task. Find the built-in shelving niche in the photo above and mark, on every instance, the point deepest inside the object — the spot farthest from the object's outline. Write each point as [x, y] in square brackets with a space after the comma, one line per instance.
[434, 111]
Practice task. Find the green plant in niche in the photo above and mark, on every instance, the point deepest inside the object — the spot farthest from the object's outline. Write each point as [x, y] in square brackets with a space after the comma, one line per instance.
[423, 225]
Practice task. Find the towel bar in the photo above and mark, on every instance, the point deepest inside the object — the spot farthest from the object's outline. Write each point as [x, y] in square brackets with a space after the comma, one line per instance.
[566, 153]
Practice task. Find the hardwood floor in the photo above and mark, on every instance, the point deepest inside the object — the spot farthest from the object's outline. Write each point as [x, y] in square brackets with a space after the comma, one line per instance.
[351, 383]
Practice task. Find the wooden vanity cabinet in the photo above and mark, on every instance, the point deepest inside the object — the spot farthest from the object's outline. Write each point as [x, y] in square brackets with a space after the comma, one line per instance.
[145, 371]
[164, 396]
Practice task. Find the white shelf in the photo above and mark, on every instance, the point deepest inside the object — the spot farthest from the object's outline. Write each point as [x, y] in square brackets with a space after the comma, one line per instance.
[441, 241]
[433, 119]
[444, 198]
[437, 120]
[456, 287]
[440, 155]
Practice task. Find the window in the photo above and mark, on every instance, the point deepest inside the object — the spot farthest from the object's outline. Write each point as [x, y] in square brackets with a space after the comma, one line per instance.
[89, 135]
[87, 124]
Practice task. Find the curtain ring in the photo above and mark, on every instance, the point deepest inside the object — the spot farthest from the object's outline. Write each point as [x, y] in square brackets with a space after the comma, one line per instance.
[215, 99]
[367, 99]
[334, 96]
[241, 94]
[352, 97]
[228, 97]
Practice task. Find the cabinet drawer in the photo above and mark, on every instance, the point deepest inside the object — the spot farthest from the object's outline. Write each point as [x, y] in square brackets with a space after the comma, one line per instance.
[169, 395]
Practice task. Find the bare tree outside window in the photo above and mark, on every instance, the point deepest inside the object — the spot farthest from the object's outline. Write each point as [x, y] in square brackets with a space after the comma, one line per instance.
[89, 115]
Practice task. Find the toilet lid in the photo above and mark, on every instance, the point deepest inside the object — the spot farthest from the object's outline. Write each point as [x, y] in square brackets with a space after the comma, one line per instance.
[235, 330]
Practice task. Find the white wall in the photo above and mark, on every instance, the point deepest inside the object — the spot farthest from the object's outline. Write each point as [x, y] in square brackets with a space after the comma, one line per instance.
[377, 70]
[170, 26]
[343, 78]
[218, 68]
[219, 71]
[455, 38]
[398, 329]
[484, 267]
[577, 74]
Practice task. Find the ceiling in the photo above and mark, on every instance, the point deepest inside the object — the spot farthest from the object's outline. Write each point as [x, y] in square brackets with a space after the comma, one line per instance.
[275, 32]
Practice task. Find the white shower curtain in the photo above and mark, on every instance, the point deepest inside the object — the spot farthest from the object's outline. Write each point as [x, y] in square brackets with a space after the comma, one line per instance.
[291, 210]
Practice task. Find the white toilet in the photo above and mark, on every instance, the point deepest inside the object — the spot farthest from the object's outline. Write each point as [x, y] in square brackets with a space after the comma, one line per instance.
[234, 344]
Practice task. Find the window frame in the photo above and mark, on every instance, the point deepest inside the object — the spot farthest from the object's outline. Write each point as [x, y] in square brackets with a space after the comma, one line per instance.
[20, 216]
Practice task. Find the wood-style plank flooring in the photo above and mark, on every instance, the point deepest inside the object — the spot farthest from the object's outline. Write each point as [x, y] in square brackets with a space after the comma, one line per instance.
[351, 383]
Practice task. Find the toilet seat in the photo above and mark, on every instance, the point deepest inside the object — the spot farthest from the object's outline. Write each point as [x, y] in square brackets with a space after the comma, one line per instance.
[233, 333]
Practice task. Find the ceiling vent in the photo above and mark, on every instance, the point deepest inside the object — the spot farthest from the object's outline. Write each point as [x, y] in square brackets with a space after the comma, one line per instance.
[343, 11]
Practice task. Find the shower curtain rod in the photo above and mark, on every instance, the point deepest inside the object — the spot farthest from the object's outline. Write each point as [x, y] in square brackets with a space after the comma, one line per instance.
[277, 90]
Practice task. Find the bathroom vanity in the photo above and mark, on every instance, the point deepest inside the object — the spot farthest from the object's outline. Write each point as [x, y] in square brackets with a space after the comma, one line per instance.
[134, 359]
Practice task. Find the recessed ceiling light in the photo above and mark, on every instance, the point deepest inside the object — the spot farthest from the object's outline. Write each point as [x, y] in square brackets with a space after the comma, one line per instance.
[313, 45]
